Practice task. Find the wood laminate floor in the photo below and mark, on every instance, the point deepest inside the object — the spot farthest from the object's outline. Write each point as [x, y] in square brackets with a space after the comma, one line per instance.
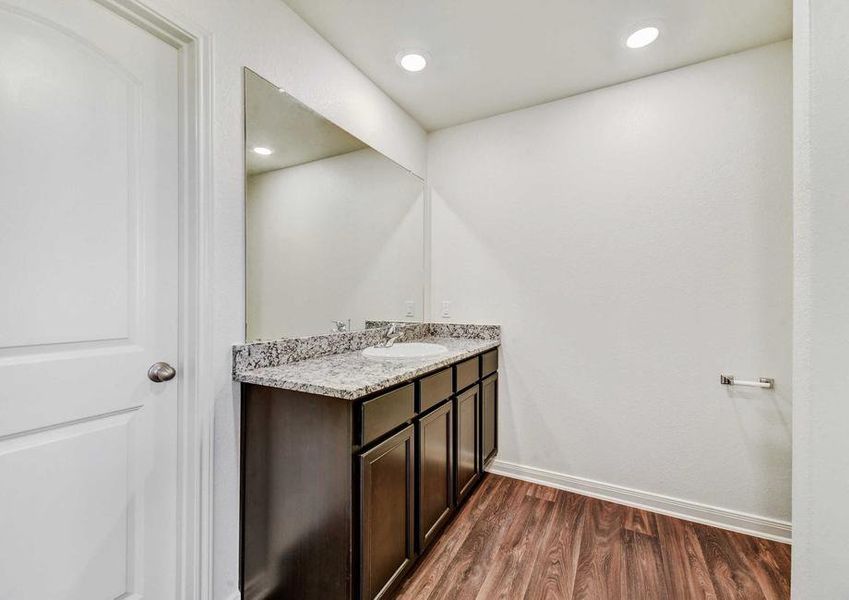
[516, 540]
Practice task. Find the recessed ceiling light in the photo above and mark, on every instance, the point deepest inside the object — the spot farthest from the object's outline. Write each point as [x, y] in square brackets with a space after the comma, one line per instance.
[412, 61]
[642, 37]
[263, 151]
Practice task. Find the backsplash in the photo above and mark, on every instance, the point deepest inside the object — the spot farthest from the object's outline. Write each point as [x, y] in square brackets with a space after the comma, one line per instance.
[258, 355]
[457, 330]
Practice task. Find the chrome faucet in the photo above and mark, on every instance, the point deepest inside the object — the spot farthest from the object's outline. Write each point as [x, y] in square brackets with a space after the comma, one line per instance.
[340, 326]
[391, 334]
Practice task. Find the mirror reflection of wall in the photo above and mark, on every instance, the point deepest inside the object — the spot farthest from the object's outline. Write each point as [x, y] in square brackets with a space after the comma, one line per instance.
[335, 230]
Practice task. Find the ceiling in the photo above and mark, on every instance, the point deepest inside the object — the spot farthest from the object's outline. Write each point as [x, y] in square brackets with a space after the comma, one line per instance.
[493, 56]
[294, 133]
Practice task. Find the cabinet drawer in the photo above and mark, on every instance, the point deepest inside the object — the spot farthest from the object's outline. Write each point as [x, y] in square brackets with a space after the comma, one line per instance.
[382, 414]
[489, 362]
[466, 373]
[435, 388]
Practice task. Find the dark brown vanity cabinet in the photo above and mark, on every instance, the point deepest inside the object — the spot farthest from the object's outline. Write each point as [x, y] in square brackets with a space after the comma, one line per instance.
[340, 497]
[386, 513]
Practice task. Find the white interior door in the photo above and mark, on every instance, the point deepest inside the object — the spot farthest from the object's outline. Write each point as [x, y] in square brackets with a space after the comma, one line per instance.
[88, 301]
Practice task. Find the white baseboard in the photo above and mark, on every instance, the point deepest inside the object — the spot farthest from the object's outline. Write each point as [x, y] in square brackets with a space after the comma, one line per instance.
[763, 527]
[235, 596]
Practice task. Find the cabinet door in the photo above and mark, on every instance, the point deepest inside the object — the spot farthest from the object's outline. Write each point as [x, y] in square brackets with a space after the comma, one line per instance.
[434, 456]
[489, 417]
[467, 432]
[386, 513]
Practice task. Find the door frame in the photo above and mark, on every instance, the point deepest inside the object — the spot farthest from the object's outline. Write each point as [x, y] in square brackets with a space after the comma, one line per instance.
[195, 389]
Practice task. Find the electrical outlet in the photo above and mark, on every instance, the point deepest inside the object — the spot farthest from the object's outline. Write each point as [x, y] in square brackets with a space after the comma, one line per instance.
[446, 309]
[409, 308]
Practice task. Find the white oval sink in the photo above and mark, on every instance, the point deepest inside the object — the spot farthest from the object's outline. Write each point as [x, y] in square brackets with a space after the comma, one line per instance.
[406, 350]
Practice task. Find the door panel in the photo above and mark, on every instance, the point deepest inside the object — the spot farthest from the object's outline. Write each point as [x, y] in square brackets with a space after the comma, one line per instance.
[386, 520]
[468, 447]
[88, 260]
[489, 417]
[434, 434]
[77, 479]
[73, 111]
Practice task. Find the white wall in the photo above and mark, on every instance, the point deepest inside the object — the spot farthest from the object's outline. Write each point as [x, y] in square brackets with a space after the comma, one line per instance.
[634, 243]
[333, 239]
[821, 301]
[266, 36]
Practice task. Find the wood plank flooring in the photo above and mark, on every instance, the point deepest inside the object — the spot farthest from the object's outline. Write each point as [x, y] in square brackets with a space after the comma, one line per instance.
[516, 540]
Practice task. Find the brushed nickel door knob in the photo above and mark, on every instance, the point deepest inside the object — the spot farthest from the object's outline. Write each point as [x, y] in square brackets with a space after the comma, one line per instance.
[161, 371]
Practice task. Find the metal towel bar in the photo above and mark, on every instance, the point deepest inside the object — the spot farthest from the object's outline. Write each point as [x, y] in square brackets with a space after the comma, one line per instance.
[766, 383]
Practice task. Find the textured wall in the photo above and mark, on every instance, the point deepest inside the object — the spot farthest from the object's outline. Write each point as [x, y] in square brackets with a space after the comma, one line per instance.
[821, 301]
[634, 243]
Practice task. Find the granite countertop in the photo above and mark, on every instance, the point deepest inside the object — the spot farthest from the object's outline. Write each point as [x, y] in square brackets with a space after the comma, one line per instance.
[350, 375]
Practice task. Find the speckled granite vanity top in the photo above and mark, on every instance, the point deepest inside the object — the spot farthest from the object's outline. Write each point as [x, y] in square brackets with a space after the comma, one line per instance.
[333, 365]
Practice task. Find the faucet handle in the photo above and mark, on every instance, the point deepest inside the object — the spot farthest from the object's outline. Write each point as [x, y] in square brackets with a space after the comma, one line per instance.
[339, 326]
